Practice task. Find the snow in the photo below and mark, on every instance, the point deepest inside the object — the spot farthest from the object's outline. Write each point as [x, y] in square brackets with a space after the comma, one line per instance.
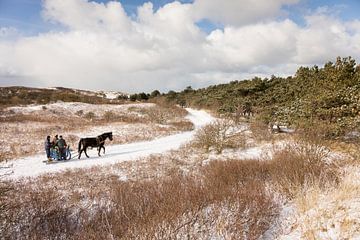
[33, 166]
[74, 107]
[110, 95]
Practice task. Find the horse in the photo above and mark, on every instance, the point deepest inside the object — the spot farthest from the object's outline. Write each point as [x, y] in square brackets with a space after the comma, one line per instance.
[97, 142]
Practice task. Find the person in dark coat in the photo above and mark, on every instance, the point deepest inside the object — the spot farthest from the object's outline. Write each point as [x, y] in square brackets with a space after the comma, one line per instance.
[48, 145]
[54, 141]
[62, 148]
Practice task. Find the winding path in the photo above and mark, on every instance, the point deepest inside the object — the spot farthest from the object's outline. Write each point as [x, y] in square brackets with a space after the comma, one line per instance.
[33, 166]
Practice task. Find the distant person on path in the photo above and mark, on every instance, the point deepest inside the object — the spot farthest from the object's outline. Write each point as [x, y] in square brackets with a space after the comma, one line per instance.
[48, 145]
[62, 147]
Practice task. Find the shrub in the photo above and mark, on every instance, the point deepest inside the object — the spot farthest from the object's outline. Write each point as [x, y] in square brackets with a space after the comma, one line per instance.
[219, 135]
[165, 113]
[109, 116]
[40, 214]
[80, 113]
[164, 208]
[260, 131]
[155, 93]
[5, 207]
[183, 125]
[300, 165]
[90, 115]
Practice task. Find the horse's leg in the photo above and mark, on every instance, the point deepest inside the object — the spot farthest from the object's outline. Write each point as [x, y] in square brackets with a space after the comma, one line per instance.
[80, 148]
[85, 152]
[80, 153]
[99, 151]
[102, 147]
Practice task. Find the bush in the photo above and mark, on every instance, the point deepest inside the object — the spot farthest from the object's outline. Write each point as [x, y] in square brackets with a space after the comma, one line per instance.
[155, 93]
[109, 116]
[40, 214]
[90, 115]
[260, 131]
[300, 165]
[174, 207]
[165, 113]
[80, 113]
[219, 135]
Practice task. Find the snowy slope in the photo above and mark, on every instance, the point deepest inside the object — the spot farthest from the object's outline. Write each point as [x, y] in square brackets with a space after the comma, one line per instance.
[33, 166]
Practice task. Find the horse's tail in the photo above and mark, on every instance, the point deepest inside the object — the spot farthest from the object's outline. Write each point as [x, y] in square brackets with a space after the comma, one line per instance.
[79, 147]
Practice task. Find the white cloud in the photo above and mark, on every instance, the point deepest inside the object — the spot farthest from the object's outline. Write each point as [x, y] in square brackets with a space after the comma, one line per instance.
[241, 48]
[84, 15]
[240, 12]
[104, 48]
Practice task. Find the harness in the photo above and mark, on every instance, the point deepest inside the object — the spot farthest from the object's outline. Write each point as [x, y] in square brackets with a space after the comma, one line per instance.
[99, 140]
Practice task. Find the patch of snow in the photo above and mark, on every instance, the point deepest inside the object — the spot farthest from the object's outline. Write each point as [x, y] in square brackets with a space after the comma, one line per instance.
[74, 107]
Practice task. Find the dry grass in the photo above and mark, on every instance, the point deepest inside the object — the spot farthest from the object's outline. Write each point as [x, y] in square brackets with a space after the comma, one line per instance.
[177, 206]
[330, 214]
[165, 114]
[301, 165]
[260, 131]
[224, 199]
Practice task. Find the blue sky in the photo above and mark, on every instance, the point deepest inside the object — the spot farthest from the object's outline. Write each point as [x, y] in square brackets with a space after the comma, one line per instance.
[169, 46]
[25, 15]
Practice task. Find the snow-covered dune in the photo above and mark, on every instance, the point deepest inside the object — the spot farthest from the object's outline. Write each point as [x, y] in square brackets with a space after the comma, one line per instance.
[34, 166]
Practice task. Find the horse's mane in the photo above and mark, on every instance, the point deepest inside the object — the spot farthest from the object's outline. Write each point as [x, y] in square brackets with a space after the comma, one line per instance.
[107, 133]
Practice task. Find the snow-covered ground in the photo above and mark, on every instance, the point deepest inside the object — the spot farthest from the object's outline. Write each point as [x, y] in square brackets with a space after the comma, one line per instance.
[71, 108]
[34, 166]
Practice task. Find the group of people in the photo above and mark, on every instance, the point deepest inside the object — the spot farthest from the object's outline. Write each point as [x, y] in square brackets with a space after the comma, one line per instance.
[56, 144]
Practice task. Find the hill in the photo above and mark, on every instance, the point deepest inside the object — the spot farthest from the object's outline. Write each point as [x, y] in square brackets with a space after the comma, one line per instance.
[12, 96]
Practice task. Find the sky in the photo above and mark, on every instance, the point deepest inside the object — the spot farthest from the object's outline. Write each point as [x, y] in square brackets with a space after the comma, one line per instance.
[135, 45]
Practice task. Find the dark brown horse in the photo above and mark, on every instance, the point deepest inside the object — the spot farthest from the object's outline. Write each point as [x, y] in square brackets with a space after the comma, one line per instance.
[97, 142]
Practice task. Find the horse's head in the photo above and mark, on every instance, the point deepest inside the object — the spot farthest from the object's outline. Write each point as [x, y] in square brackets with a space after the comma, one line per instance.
[110, 136]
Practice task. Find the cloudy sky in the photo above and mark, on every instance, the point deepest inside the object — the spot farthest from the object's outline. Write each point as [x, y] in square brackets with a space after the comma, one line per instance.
[136, 45]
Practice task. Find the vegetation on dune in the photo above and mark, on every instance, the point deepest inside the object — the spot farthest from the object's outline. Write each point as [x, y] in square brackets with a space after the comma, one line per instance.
[12, 96]
[164, 208]
[229, 199]
[329, 95]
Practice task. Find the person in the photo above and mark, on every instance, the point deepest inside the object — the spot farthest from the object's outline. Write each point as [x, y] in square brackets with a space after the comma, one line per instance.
[62, 148]
[48, 145]
[54, 150]
[54, 141]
